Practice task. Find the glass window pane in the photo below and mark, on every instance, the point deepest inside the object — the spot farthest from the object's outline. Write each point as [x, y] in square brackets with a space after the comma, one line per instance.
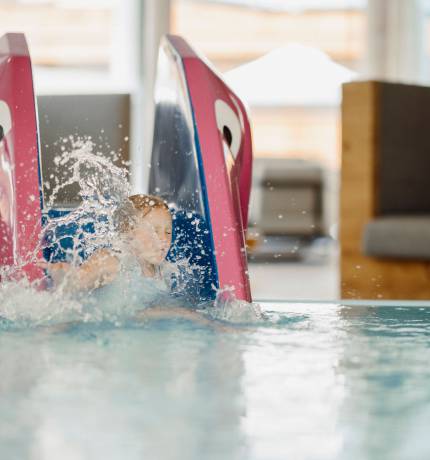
[288, 59]
[74, 44]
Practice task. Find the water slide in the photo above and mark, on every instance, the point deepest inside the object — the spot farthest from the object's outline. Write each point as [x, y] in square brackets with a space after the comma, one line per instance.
[201, 164]
[21, 199]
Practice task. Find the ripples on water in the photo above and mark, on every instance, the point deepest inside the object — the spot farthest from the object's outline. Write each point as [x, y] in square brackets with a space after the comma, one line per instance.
[311, 382]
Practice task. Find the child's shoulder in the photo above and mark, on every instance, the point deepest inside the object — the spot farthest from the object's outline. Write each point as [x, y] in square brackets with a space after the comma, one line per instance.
[104, 257]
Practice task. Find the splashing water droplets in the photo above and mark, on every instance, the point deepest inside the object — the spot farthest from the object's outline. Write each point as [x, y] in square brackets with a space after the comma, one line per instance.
[232, 310]
[73, 235]
[103, 187]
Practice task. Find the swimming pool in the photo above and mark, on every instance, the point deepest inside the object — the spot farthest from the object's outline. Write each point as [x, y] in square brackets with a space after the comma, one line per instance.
[318, 381]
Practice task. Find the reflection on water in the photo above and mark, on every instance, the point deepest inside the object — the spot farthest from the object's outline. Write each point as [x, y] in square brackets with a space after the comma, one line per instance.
[155, 392]
[389, 396]
[312, 382]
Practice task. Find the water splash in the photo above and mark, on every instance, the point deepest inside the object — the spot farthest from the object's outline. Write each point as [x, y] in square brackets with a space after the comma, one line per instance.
[22, 305]
[75, 234]
[103, 188]
[227, 307]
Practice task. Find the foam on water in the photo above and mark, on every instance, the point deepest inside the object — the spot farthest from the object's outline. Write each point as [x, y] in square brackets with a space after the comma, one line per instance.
[232, 310]
[22, 305]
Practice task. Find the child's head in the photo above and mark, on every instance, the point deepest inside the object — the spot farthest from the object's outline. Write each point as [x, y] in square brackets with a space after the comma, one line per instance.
[147, 223]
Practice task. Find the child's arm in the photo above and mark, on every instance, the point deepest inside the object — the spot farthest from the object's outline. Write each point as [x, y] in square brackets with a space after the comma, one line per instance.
[160, 313]
[100, 269]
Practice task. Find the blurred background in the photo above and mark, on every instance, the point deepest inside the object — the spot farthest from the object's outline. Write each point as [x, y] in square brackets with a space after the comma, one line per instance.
[94, 67]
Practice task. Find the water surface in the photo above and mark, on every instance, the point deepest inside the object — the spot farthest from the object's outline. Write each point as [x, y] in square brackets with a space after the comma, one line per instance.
[315, 381]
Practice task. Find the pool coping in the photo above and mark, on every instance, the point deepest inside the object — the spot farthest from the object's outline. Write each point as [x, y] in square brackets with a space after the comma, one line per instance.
[348, 302]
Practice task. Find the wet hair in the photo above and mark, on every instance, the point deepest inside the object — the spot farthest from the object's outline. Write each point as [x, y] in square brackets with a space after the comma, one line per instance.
[136, 206]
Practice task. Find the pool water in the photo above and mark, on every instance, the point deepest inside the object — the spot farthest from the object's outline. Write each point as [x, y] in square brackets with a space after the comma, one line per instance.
[314, 381]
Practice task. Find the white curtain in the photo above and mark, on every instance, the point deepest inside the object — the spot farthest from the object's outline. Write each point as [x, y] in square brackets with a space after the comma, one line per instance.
[396, 41]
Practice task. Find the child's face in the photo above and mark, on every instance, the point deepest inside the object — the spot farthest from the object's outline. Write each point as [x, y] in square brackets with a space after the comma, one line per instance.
[152, 236]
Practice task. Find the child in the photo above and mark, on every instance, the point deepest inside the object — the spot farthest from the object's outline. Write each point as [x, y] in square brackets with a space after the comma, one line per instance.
[128, 274]
[145, 235]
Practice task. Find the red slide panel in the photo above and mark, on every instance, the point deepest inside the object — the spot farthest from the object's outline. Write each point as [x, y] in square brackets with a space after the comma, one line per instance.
[20, 191]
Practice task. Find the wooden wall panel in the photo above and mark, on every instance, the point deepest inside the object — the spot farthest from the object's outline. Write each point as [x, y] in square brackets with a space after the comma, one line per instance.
[364, 277]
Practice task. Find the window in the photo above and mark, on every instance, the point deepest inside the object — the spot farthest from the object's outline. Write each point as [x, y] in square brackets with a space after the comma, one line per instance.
[76, 45]
[236, 31]
[266, 48]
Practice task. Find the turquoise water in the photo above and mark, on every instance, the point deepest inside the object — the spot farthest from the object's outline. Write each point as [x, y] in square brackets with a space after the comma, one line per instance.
[314, 381]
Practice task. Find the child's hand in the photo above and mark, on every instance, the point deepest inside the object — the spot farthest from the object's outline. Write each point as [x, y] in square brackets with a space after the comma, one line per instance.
[57, 271]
